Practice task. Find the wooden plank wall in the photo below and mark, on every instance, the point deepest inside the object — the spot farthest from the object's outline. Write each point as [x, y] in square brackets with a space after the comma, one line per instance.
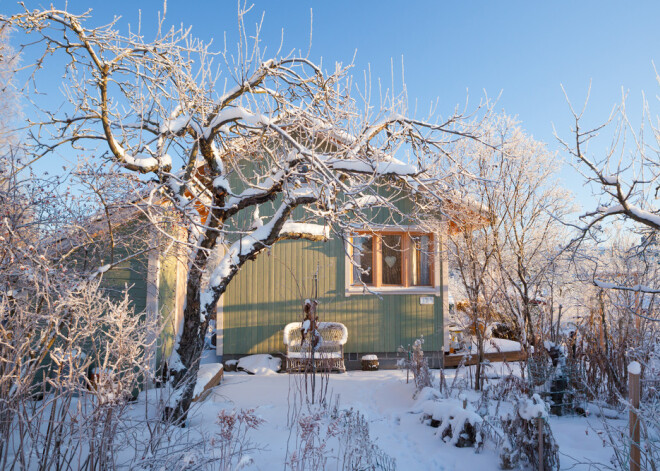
[265, 296]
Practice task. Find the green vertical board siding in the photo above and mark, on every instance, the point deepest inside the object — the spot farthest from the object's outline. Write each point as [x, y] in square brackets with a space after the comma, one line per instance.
[265, 296]
[166, 304]
[129, 275]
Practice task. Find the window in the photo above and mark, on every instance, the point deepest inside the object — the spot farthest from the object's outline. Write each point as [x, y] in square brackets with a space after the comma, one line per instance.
[421, 260]
[390, 260]
[363, 256]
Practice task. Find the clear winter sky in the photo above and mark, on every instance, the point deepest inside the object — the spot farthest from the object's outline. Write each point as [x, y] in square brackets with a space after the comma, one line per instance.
[524, 50]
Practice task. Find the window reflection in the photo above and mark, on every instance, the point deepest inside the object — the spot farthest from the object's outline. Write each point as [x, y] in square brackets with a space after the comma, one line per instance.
[392, 260]
[363, 257]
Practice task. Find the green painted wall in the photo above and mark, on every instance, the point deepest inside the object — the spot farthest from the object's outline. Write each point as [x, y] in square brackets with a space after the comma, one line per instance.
[132, 274]
[267, 294]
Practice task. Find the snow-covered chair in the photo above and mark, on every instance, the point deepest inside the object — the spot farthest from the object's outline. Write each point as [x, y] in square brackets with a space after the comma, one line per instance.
[329, 352]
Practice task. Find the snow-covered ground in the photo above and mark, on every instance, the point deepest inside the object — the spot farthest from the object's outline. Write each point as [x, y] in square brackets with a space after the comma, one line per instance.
[394, 417]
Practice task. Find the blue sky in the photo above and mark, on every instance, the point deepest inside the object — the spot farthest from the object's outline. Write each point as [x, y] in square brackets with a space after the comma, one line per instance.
[523, 50]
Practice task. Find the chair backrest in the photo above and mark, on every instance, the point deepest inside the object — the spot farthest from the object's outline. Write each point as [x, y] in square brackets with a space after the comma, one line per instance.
[331, 333]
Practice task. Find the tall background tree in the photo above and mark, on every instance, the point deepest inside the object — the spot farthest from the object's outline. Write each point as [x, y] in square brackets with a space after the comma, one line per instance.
[506, 253]
[615, 253]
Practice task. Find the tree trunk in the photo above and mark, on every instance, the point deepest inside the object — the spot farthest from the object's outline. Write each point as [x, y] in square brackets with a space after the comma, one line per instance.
[479, 367]
[191, 340]
[189, 349]
[480, 350]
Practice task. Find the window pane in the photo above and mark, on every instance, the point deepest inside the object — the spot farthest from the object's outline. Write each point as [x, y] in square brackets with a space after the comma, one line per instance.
[363, 256]
[421, 260]
[392, 258]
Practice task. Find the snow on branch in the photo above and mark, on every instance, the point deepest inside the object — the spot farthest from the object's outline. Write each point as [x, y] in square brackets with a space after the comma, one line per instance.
[396, 168]
[635, 288]
[300, 230]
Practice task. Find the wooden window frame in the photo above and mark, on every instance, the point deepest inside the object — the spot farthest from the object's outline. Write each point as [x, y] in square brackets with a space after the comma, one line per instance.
[406, 287]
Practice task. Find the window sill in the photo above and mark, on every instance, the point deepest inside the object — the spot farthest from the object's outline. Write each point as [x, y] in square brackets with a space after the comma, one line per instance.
[386, 290]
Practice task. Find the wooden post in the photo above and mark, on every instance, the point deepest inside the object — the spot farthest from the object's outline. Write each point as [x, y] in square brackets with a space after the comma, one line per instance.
[634, 372]
[539, 424]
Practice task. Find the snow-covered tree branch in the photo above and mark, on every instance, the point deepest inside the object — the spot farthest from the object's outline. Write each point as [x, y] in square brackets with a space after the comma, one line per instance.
[286, 152]
[625, 178]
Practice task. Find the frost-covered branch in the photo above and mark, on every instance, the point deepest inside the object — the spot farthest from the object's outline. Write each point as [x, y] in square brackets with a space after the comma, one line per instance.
[230, 164]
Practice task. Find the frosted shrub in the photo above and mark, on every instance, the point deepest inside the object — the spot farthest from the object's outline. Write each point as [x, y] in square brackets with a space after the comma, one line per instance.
[415, 362]
[56, 327]
[51, 411]
[318, 431]
[356, 450]
[312, 452]
[617, 434]
[232, 441]
[521, 437]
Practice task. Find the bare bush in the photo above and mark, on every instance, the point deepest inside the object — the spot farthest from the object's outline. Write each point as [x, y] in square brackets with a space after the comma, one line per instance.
[312, 451]
[232, 441]
[72, 356]
[317, 431]
[356, 449]
[420, 366]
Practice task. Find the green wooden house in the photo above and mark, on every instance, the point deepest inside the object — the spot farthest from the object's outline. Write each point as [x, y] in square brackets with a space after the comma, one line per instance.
[395, 292]
[387, 285]
[154, 279]
[399, 294]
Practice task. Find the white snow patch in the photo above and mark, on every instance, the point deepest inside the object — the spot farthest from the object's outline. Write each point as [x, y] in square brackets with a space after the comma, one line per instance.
[301, 228]
[306, 325]
[174, 125]
[634, 368]
[204, 375]
[610, 179]
[260, 364]
[234, 114]
[532, 408]
[379, 168]
[290, 328]
[450, 412]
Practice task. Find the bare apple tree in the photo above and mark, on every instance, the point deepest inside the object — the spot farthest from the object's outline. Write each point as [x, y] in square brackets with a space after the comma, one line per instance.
[625, 176]
[243, 150]
[616, 252]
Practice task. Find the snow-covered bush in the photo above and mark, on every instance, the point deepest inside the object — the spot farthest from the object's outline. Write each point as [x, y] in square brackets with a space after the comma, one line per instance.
[420, 366]
[521, 437]
[457, 422]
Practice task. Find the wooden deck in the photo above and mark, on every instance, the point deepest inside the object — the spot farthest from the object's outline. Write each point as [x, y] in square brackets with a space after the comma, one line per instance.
[453, 360]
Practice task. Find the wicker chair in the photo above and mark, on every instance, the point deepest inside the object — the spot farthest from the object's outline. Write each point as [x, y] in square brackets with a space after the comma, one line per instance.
[329, 354]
